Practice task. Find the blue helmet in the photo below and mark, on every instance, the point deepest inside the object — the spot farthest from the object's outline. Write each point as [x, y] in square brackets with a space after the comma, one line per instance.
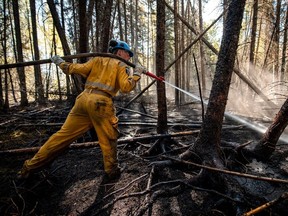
[117, 44]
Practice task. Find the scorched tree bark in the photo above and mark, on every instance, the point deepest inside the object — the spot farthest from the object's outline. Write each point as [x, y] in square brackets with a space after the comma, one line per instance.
[207, 144]
[160, 51]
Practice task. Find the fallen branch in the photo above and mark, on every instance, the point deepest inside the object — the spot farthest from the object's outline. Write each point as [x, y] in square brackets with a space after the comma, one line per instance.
[149, 183]
[94, 144]
[267, 205]
[227, 171]
[133, 111]
[194, 125]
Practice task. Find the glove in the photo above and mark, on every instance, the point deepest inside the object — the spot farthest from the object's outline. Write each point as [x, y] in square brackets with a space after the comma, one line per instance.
[57, 60]
[138, 70]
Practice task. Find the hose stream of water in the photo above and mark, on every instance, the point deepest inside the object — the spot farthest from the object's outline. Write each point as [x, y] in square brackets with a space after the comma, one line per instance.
[252, 125]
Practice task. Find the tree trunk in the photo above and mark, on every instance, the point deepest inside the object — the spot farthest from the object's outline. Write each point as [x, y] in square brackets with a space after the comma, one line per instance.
[4, 103]
[276, 40]
[160, 53]
[120, 20]
[268, 31]
[99, 8]
[83, 35]
[125, 21]
[253, 31]
[65, 46]
[284, 47]
[59, 28]
[202, 59]
[208, 142]
[13, 45]
[177, 66]
[57, 70]
[131, 21]
[39, 89]
[68, 81]
[106, 23]
[20, 70]
[83, 32]
[89, 16]
[182, 60]
[266, 146]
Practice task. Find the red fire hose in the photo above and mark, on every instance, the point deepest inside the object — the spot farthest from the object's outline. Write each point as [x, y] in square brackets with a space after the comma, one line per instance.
[154, 76]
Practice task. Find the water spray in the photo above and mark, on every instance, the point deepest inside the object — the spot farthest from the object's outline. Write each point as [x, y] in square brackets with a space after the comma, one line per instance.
[252, 125]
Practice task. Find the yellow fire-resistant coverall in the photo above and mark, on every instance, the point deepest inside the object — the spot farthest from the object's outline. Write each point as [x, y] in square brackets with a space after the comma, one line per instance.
[93, 108]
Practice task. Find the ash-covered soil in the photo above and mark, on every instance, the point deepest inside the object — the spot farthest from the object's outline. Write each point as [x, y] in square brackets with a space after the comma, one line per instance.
[74, 185]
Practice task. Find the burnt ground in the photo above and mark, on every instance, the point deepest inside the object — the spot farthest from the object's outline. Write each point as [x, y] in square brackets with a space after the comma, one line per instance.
[74, 185]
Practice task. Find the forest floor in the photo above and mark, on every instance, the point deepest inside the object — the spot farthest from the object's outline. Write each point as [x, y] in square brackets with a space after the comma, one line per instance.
[73, 184]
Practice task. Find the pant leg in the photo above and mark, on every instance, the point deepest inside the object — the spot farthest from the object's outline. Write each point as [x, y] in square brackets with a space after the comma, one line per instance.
[76, 124]
[102, 114]
[107, 144]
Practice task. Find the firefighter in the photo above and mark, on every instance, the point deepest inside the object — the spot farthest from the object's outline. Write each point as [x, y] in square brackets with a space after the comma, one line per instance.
[105, 76]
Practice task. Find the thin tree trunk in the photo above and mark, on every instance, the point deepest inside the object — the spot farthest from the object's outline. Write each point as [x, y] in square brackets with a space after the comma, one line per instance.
[135, 41]
[177, 66]
[276, 39]
[76, 33]
[131, 22]
[57, 69]
[120, 20]
[125, 19]
[20, 70]
[39, 89]
[284, 47]
[258, 46]
[202, 59]
[89, 15]
[182, 60]
[99, 11]
[269, 30]
[106, 23]
[14, 49]
[186, 66]
[160, 66]
[83, 32]
[253, 32]
[4, 104]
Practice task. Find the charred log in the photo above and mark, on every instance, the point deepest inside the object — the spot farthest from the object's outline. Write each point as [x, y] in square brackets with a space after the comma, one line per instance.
[265, 148]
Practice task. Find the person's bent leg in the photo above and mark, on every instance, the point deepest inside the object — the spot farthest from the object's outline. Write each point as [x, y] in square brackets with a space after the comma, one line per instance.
[75, 125]
[102, 114]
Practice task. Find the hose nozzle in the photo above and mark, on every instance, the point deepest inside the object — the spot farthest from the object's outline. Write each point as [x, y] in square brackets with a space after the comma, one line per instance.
[160, 78]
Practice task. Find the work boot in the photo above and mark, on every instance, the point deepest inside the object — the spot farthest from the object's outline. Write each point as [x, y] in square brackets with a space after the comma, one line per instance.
[23, 174]
[113, 175]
